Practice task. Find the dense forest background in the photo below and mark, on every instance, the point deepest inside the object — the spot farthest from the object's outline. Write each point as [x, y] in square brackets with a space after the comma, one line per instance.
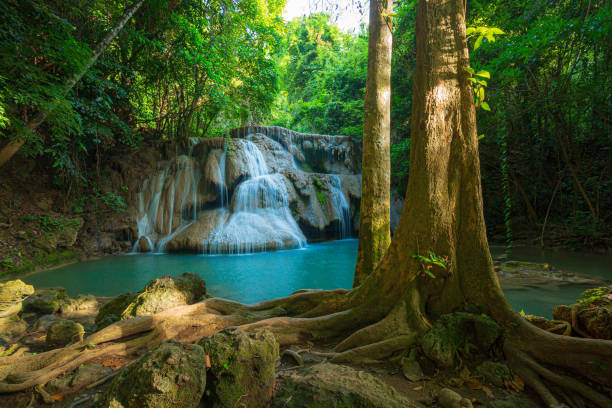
[185, 68]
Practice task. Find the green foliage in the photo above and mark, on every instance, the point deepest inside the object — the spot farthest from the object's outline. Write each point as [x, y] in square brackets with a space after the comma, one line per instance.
[429, 261]
[318, 186]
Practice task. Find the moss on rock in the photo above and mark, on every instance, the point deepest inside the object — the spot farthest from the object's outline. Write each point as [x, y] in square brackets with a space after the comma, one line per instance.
[336, 386]
[464, 334]
[242, 368]
[593, 311]
[45, 301]
[63, 332]
[171, 376]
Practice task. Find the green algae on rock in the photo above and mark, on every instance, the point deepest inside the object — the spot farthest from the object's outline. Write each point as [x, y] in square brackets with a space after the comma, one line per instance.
[242, 368]
[171, 376]
[63, 332]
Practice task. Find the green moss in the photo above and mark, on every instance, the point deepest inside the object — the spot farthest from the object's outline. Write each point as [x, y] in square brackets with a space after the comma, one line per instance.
[318, 186]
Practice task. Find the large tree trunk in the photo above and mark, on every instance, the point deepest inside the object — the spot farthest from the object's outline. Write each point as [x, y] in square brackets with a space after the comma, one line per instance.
[14, 145]
[374, 221]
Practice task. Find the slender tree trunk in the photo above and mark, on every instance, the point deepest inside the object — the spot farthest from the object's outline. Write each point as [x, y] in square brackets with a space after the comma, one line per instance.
[374, 221]
[14, 145]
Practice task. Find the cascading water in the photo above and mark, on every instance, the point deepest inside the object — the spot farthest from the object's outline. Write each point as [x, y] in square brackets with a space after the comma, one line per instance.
[242, 196]
[172, 188]
[260, 218]
[341, 207]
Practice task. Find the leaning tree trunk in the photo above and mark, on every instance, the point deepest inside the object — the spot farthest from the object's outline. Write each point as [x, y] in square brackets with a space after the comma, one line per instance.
[374, 221]
[14, 145]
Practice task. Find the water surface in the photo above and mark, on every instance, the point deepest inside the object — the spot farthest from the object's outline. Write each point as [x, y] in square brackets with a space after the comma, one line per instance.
[260, 276]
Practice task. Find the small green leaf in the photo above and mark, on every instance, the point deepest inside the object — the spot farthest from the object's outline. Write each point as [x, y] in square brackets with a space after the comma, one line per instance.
[496, 30]
[473, 80]
[470, 30]
[522, 312]
[478, 42]
[485, 106]
[469, 70]
[484, 74]
[481, 137]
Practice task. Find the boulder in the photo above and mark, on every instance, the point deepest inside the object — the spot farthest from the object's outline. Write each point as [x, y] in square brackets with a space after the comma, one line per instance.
[158, 295]
[193, 237]
[43, 322]
[45, 301]
[242, 368]
[84, 375]
[448, 398]
[336, 386]
[593, 311]
[79, 303]
[63, 332]
[519, 275]
[144, 245]
[451, 334]
[171, 376]
[63, 236]
[12, 294]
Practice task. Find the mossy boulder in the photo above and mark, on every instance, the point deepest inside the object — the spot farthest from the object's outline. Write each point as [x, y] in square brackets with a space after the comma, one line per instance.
[593, 311]
[12, 293]
[171, 376]
[79, 303]
[460, 334]
[45, 301]
[494, 372]
[63, 332]
[242, 368]
[63, 235]
[336, 386]
[158, 295]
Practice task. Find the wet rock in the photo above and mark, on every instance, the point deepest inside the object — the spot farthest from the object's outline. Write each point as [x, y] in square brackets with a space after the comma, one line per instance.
[64, 237]
[63, 332]
[336, 386]
[12, 294]
[242, 368]
[448, 398]
[494, 372]
[144, 245]
[593, 311]
[45, 301]
[559, 327]
[158, 295]
[452, 332]
[172, 375]
[80, 302]
[192, 237]
[518, 274]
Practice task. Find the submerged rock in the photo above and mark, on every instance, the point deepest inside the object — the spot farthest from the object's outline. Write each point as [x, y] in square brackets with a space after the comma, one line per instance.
[158, 295]
[451, 334]
[80, 302]
[63, 332]
[336, 386]
[45, 301]
[12, 294]
[242, 368]
[593, 313]
[519, 274]
[171, 376]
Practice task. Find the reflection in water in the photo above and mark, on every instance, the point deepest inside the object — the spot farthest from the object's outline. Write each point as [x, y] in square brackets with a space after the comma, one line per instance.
[260, 276]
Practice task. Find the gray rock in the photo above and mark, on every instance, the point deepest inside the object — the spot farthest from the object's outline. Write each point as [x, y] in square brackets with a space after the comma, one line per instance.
[242, 368]
[448, 398]
[80, 302]
[63, 332]
[45, 301]
[43, 322]
[158, 295]
[336, 386]
[411, 369]
[172, 375]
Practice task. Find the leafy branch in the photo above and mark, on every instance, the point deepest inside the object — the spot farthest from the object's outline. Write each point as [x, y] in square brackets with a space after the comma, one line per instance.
[428, 262]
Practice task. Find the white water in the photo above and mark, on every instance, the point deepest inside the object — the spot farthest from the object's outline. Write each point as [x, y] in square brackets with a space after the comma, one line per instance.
[261, 219]
[341, 207]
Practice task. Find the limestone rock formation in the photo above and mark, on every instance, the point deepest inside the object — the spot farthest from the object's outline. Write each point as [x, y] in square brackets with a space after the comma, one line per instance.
[12, 293]
[242, 368]
[172, 375]
[158, 295]
[63, 332]
[336, 386]
[593, 313]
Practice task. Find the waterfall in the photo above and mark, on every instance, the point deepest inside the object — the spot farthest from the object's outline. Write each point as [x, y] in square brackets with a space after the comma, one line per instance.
[261, 219]
[221, 175]
[172, 188]
[341, 207]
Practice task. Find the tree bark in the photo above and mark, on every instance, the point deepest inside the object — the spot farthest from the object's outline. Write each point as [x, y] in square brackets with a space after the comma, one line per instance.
[375, 221]
[14, 145]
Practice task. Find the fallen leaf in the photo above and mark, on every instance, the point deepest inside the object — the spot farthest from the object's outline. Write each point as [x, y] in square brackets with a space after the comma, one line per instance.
[515, 385]
[113, 363]
[473, 384]
[208, 365]
[44, 336]
[57, 397]
[418, 388]
[465, 374]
